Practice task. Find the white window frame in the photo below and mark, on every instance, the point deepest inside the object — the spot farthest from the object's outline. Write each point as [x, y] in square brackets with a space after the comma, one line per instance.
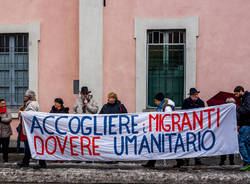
[142, 25]
[33, 29]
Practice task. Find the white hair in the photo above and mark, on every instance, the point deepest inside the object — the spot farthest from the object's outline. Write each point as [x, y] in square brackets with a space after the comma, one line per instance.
[230, 100]
[29, 93]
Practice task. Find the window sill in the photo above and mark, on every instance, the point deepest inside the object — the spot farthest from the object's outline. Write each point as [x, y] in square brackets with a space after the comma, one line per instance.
[154, 109]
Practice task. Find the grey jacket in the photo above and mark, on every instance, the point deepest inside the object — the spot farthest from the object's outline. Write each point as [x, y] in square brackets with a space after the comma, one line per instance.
[90, 108]
[30, 106]
[5, 128]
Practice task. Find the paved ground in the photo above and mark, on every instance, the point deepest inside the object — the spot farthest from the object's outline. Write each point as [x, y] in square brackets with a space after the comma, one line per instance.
[123, 172]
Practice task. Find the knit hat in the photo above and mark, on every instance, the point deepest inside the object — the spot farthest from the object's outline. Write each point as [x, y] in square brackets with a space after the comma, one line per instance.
[159, 96]
[29, 93]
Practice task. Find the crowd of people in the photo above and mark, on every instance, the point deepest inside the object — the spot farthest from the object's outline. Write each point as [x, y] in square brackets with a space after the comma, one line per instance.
[243, 123]
[85, 104]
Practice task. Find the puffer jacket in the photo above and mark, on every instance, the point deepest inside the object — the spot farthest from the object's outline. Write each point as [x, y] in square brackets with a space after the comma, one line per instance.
[5, 128]
[62, 110]
[190, 104]
[81, 108]
[243, 111]
[116, 108]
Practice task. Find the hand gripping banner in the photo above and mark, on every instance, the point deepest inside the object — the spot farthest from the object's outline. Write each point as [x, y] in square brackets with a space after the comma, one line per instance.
[139, 136]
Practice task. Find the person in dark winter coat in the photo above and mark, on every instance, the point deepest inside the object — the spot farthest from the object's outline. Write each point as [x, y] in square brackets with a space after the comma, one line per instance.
[59, 107]
[192, 102]
[5, 129]
[243, 122]
[113, 106]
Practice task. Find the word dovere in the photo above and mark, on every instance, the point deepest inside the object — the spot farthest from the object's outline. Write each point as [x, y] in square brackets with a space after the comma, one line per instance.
[53, 143]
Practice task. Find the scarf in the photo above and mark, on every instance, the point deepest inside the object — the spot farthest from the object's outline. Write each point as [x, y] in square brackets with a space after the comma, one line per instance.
[3, 110]
[159, 108]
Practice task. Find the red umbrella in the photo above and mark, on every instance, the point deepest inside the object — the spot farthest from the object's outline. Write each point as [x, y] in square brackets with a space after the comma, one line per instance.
[220, 98]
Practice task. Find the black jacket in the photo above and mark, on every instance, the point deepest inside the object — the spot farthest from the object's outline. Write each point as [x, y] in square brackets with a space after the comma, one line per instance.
[243, 111]
[115, 108]
[62, 110]
[190, 104]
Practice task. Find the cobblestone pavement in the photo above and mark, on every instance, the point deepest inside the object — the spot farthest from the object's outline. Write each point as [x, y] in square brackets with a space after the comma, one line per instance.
[123, 172]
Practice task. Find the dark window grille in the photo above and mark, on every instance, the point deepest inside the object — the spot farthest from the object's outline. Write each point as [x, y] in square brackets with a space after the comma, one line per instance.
[14, 68]
[165, 65]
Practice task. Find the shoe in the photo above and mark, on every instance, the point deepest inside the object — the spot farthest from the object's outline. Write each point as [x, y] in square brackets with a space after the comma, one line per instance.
[186, 162]
[177, 166]
[221, 163]
[23, 164]
[148, 166]
[245, 163]
[40, 166]
[231, 163]
[198, 163]
[180, 162]
[245, 168]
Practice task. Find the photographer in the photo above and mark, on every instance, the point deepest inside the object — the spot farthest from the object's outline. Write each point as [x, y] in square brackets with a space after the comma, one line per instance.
[85, 103]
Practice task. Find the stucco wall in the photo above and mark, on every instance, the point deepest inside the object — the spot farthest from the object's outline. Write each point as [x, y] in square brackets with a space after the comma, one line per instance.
[222, 46]
[58, 46]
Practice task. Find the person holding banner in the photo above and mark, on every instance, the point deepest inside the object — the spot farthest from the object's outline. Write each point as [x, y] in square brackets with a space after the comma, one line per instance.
[85, 104]
[243, 122]
[59, 107]
[5, 129]
[192, 102]
[30, 105]
[163, 105]
[113, 106]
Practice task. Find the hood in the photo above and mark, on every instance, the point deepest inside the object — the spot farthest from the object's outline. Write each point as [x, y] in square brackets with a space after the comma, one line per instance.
[246, 94]
[171, 102]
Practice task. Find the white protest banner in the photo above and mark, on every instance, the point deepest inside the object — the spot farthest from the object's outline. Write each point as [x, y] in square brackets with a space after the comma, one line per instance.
[140, 136]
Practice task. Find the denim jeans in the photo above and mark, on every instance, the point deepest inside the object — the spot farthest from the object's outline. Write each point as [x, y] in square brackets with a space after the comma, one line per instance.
[244, 143]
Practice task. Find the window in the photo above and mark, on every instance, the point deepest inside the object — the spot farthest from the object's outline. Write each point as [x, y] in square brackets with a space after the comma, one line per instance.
[165, 64]
[14, 66]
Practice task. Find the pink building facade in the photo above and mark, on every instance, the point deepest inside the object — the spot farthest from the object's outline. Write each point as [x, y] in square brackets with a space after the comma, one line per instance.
[108, 46]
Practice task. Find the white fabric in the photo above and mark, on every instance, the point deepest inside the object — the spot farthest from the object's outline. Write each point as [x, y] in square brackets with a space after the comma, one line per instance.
[182, 134]
[168, 108]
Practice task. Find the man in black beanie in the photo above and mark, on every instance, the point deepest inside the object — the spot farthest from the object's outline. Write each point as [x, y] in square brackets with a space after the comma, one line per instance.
[162, 105]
